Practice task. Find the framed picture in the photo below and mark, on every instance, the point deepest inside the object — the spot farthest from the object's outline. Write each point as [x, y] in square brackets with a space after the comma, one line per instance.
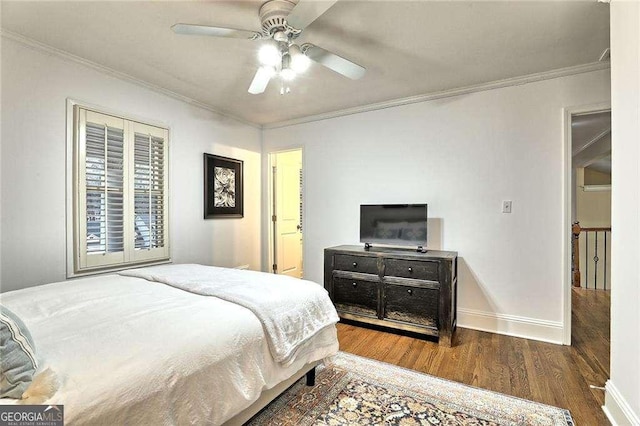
[223, 196]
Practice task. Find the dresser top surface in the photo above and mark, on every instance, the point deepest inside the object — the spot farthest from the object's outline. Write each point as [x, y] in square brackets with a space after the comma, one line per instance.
[392, 251]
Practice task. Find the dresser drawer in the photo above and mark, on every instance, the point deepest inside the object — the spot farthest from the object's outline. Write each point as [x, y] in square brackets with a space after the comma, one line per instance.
[356, 296]
[411, 269]
[413, 305]
[345, 262]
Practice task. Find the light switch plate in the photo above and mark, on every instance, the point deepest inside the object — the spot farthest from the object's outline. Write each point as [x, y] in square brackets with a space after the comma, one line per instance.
[506, 206]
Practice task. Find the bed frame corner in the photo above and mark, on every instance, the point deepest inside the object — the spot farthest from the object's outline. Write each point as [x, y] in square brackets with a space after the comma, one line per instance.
[311, 377]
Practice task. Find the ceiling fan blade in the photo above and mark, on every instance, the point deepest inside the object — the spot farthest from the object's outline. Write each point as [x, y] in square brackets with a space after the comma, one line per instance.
[204, 30]
[261, 80]
[333, 62]
[307, 11]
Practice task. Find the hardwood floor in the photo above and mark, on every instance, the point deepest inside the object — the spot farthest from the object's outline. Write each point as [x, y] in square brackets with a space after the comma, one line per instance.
[544, 372]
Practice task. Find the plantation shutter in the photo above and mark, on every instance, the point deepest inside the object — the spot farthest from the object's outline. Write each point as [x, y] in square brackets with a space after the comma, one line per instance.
[102, 190]
[121, 192]
[149, 200]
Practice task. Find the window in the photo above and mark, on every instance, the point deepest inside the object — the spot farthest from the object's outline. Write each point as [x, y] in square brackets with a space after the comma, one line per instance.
[120, 192]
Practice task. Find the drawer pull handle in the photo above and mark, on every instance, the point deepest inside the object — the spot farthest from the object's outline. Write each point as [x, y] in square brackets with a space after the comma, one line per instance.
[410, 291]
[355, 284]
[355, 264]
[410, 269]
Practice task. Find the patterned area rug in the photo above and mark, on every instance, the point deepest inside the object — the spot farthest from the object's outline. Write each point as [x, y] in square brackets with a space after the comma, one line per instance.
[351, 390]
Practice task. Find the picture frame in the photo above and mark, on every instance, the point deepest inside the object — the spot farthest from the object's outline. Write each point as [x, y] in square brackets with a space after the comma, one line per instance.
[223, 187]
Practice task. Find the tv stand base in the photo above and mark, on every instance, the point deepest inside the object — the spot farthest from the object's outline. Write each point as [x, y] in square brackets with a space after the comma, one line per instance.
[394, 288]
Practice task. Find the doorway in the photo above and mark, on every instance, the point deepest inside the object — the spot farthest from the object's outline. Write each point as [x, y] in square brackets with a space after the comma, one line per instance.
[588, 227]
[286, 206]
[587, 145]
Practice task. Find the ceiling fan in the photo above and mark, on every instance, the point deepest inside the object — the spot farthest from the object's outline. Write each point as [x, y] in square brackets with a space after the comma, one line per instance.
[282, 23]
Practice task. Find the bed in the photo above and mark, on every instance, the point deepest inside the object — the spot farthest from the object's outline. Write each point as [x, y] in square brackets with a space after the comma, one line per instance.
[137, 350]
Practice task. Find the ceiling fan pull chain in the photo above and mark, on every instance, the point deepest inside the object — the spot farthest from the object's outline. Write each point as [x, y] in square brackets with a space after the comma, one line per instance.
[284, 89]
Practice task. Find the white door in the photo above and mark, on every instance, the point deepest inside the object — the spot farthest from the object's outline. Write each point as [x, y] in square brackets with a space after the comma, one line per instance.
[287, 168]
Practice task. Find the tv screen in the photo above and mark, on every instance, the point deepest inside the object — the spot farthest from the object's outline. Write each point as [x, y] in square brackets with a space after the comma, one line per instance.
[394, 224]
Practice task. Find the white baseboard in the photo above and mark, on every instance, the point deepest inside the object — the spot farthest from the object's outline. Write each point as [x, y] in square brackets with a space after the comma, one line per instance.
[511, 325]
[616, 407]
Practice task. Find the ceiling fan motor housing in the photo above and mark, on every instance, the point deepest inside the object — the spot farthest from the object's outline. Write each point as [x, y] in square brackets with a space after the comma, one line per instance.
[273, 15]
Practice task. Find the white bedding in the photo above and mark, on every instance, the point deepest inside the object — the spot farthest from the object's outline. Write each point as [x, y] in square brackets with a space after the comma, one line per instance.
[131, 351]
[291, 310]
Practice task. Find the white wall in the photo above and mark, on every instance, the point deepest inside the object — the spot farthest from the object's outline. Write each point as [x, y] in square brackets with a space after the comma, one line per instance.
[622, 399]
[36, 86]
[593, 208]
[462, 155]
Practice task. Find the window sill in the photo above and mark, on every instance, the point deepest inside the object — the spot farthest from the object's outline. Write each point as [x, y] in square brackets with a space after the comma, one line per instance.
[110, 270]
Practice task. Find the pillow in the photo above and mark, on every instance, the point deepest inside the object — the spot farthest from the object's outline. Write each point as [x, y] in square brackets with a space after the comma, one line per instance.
[17, 355]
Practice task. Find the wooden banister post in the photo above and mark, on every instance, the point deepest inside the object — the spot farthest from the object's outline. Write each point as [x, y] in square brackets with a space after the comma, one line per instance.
[575, 253]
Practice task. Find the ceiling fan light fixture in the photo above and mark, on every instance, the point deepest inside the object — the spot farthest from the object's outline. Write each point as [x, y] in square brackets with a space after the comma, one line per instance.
[269, 54]
[299, 61]
[280, 36]
[287, 73]
[269, 70]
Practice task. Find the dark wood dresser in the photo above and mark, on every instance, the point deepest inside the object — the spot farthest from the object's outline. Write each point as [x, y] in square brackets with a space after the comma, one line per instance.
[395, 288]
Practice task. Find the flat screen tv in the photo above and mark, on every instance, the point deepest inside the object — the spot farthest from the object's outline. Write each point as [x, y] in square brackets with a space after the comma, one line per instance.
[393, 224]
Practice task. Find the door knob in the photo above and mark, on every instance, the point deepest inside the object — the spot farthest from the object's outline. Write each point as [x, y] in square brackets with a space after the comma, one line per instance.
[355, 284]
[355, 264]
[410, 291]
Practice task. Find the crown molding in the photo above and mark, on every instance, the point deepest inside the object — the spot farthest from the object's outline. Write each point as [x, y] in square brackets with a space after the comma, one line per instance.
[42, 47]
[514, 81]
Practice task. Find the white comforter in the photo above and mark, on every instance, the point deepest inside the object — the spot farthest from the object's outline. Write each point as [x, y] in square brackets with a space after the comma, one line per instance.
[291, 310]
[131, 351]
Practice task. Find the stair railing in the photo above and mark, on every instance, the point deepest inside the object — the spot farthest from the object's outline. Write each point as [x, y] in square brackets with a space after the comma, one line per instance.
[591, 270]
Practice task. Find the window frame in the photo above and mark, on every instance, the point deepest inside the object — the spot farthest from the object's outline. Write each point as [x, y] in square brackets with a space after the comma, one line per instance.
[75, 189]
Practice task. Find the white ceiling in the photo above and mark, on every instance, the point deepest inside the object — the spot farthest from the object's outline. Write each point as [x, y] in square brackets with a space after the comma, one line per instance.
[408, 47]
[591, 141]
[602, 165]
